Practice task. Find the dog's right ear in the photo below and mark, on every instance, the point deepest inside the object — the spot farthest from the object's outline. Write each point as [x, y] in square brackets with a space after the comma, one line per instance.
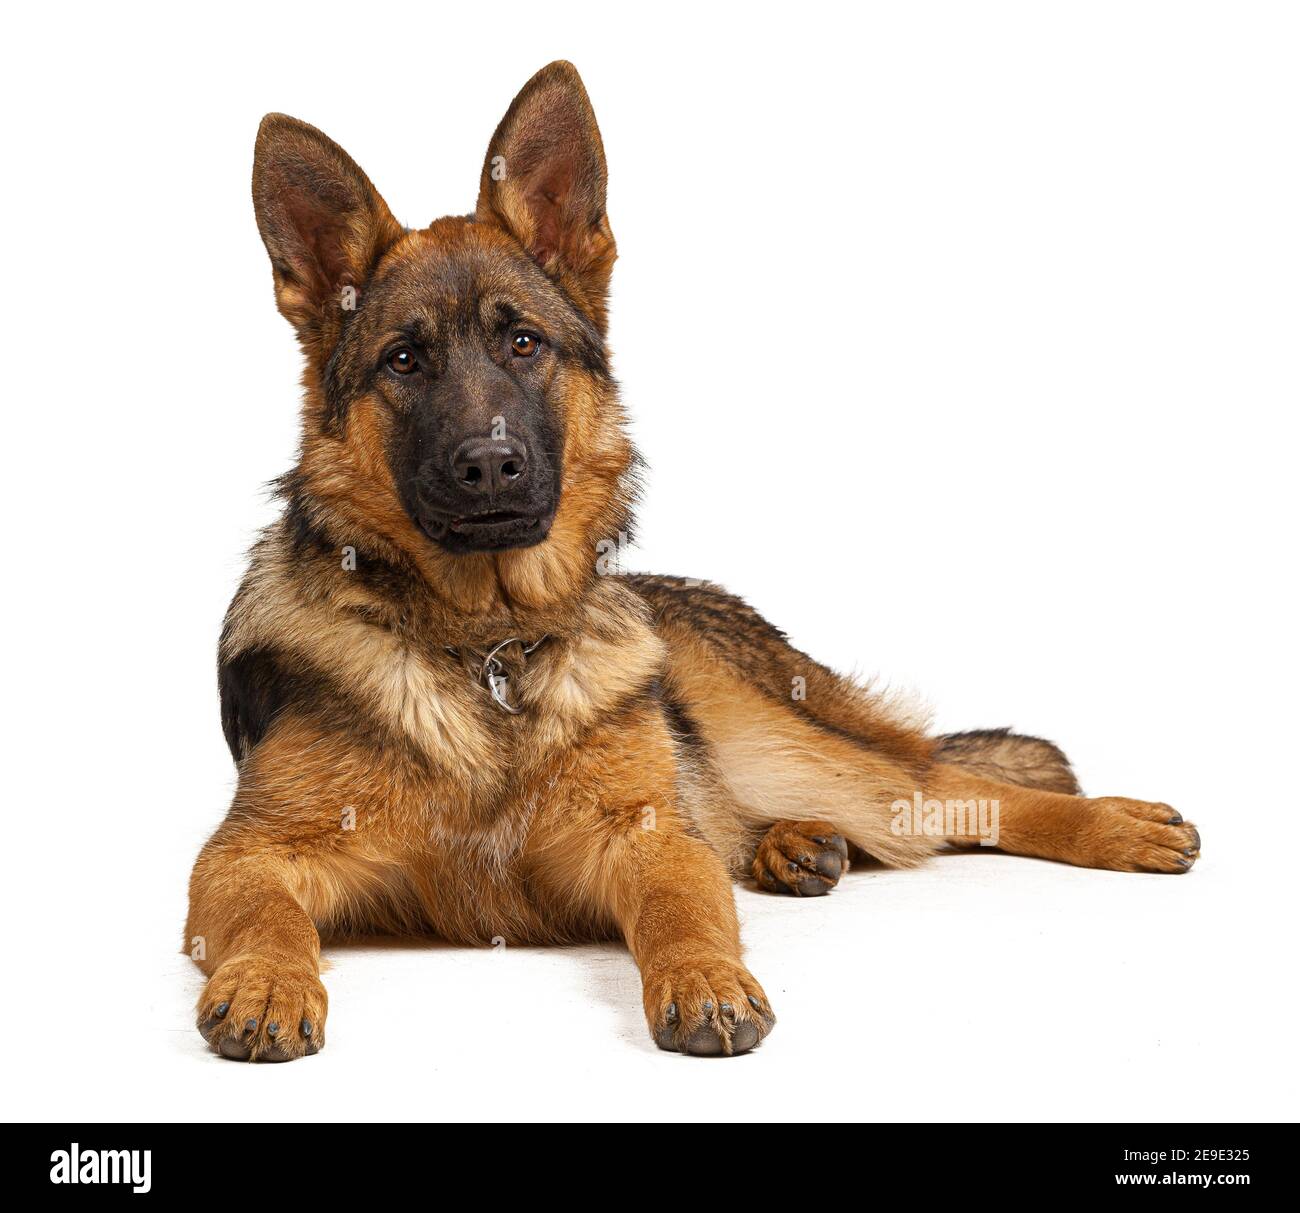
[323, 223]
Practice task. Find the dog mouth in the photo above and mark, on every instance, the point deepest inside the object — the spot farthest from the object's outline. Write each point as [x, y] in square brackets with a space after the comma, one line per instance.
[485, 530]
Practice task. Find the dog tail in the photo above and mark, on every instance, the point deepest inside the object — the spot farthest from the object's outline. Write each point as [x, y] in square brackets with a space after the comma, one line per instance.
[1029, 762]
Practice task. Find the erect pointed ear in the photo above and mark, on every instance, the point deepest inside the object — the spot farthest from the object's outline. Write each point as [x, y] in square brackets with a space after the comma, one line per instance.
[323, 223]
[544, 182]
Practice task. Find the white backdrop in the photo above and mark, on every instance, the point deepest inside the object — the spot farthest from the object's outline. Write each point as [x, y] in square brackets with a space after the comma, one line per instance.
[961, 340]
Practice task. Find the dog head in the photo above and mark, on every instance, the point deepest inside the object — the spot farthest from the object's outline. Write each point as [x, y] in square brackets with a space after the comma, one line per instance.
[459, 405]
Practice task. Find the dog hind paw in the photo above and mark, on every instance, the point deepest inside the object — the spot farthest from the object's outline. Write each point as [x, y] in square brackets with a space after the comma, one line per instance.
[806, 858]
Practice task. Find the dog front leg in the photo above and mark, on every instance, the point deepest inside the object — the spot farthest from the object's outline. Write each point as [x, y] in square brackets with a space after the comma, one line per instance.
[264, 1000]
[673, 902]
[609, 845]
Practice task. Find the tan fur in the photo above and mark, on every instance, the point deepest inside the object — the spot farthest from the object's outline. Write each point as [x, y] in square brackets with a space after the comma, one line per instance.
[668, 738]
[777, 766]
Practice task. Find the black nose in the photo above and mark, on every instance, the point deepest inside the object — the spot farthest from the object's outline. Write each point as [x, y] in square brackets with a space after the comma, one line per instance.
[490, 465]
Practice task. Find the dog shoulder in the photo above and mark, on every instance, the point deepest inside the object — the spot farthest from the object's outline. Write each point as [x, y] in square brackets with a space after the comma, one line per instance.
[303, 636]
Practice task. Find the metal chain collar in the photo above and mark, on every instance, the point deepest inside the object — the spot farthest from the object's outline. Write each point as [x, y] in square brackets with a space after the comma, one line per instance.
[492, 673]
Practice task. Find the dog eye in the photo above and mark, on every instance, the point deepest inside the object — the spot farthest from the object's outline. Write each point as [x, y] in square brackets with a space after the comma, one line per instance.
[402, 361]
[524, 345]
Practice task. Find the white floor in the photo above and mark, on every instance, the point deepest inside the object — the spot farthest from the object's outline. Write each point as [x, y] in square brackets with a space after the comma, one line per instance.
[980, 987]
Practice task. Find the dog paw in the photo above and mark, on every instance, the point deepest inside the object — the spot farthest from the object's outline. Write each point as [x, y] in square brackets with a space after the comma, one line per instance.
[1138, 836]
[708, 1008]
[258, 1009]
[806, 858]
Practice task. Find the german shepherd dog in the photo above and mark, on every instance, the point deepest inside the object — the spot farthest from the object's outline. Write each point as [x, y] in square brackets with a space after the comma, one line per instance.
[449, 719]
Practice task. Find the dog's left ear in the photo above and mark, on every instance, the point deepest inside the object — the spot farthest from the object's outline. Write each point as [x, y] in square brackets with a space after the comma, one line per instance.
[544, 182]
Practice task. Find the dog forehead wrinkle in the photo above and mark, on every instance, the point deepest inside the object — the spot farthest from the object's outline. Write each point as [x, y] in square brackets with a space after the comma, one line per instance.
[469, 259]
[435, 301]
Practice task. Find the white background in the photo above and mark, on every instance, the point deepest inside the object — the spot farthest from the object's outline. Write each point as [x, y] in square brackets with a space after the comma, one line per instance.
[961, 340]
